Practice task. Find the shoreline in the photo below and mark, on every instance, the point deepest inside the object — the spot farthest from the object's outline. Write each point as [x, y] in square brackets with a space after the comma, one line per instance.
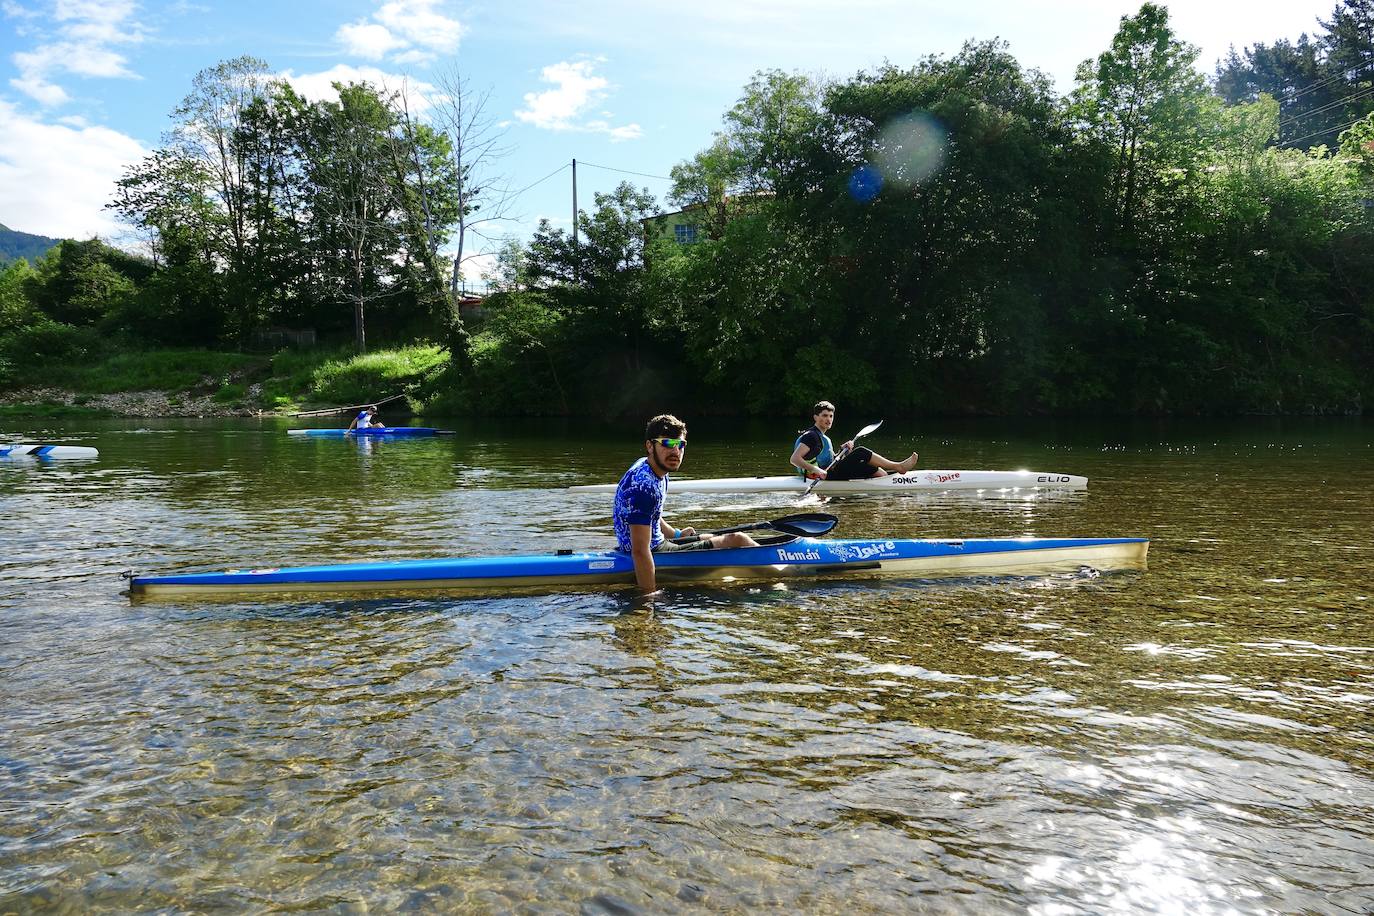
[148, 404]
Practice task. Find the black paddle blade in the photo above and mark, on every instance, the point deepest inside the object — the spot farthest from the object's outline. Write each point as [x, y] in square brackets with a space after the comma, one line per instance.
[806, 524]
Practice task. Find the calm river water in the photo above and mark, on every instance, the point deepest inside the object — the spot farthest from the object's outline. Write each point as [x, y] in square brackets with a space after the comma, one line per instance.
[1196, 738]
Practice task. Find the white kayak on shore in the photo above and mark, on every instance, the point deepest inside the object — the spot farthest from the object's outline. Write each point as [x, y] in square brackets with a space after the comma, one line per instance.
[47, 452]
[913, 482]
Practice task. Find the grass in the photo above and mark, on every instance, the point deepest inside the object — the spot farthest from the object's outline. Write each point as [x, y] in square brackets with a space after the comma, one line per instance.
[289, 380]
[158, 370]
[373, 376]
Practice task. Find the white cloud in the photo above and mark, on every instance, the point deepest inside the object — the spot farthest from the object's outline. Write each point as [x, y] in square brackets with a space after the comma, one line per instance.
[477, 266]
[318, 87]
[83, 43]
[367, 39]
[414, 28]
[418, 22]
[56, 179]
[576, 89]
[44, 92]
[16, 11]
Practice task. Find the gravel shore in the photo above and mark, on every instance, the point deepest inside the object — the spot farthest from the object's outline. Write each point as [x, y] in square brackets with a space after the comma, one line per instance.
[139, 403]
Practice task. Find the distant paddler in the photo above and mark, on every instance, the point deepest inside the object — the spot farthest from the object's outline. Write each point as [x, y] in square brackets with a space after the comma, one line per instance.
[814, 457]
[366, 419]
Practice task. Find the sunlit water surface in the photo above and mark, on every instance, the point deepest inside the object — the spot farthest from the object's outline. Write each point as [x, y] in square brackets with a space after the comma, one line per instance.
[1195, 738]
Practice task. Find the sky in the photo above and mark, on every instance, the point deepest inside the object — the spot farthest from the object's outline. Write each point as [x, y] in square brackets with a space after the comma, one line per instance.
[628, 88]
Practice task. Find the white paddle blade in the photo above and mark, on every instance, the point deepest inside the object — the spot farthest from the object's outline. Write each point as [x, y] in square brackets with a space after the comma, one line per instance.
[868, 429]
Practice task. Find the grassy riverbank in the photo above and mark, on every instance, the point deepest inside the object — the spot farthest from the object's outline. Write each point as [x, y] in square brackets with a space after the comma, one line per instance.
[188, 382]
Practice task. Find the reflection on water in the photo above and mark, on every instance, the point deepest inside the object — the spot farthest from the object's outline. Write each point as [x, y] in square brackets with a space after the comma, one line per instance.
[1193, 738]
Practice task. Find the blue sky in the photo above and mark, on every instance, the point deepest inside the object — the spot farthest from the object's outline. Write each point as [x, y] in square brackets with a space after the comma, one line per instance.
[86, 86]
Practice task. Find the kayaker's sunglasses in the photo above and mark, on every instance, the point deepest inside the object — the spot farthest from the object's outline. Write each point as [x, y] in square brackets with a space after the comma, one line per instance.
[672, 443]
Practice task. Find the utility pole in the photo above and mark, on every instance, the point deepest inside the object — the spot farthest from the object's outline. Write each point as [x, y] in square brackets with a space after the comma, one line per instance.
[577, 252]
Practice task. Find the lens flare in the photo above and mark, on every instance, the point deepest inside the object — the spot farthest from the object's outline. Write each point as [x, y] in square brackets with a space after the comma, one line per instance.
[865, 183]
[910, 149]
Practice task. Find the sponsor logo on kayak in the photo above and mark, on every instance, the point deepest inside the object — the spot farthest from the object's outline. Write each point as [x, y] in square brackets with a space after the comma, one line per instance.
[1052, 478]
[601, 564]
[943, 478]
[795, 556]
[850, 552]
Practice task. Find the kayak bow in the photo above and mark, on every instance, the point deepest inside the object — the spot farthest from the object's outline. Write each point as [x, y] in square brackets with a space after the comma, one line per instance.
[781, 558]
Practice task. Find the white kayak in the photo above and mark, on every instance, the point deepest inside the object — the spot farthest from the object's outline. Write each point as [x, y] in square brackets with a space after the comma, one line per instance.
[913, 482]
[47, 451]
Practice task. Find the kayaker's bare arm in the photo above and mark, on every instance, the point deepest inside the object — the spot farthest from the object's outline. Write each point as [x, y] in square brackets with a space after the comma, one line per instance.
[799, 462]
[641, 540]
[672, 534]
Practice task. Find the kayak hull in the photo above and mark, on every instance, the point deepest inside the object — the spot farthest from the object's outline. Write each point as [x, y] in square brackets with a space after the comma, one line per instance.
[796, 557]
[915, 481]
[48, 452]
[389, 431]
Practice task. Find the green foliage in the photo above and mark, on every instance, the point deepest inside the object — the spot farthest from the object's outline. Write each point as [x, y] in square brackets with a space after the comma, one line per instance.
[947, 236]
[266, 209]
[161, 370]
[368, 377]
[50, 344]
[15, 307]
[1357, 145]
[520, 357]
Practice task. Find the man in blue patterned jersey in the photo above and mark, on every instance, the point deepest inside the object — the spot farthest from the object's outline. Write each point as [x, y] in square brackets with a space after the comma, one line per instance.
[640, 529]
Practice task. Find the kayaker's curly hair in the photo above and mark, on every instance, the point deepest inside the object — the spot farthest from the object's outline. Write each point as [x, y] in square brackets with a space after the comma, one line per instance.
[822, 405]
[665, 424]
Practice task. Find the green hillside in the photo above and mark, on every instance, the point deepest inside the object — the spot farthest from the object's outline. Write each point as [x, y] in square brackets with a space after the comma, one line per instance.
[15, 245]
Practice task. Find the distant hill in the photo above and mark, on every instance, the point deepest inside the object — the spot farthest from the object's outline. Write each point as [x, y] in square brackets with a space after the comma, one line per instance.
[15, 245]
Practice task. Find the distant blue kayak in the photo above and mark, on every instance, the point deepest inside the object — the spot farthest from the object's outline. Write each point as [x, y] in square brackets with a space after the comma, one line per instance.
[781, 558]
[372, 431]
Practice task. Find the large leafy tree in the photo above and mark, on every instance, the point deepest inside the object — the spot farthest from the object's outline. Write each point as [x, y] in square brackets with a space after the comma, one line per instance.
[1142, 99]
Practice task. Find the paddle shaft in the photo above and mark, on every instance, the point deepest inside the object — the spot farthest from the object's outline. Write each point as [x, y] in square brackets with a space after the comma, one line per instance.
[806, 524]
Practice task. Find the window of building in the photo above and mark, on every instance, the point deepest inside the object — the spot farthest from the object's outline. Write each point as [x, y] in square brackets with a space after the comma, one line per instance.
[685, 234]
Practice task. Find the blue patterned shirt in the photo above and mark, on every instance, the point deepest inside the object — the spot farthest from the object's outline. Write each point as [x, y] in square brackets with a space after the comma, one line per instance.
[639, 501]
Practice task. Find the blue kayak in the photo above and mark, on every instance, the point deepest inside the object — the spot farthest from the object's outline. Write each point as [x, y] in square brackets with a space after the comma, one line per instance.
[396, 431]
[774, 559]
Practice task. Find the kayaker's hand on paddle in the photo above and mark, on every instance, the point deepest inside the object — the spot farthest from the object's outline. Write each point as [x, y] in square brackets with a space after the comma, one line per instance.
[818, 474]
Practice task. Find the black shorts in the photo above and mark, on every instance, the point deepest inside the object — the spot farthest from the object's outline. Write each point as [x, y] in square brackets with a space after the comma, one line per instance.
[853, 466]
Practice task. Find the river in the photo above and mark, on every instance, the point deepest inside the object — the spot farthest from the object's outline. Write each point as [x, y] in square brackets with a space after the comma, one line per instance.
[1192, 738]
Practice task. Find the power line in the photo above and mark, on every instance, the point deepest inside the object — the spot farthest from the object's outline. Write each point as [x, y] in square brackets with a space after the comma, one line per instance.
[1327, 107]
[1327, 130]
[626, 171]
[542, 180]
[1343, 75]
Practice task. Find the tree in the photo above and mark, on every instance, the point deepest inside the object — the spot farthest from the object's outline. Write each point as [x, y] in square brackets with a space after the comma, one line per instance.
[223, 130]
[352, 197]
[448, 168]
[1141, 98]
